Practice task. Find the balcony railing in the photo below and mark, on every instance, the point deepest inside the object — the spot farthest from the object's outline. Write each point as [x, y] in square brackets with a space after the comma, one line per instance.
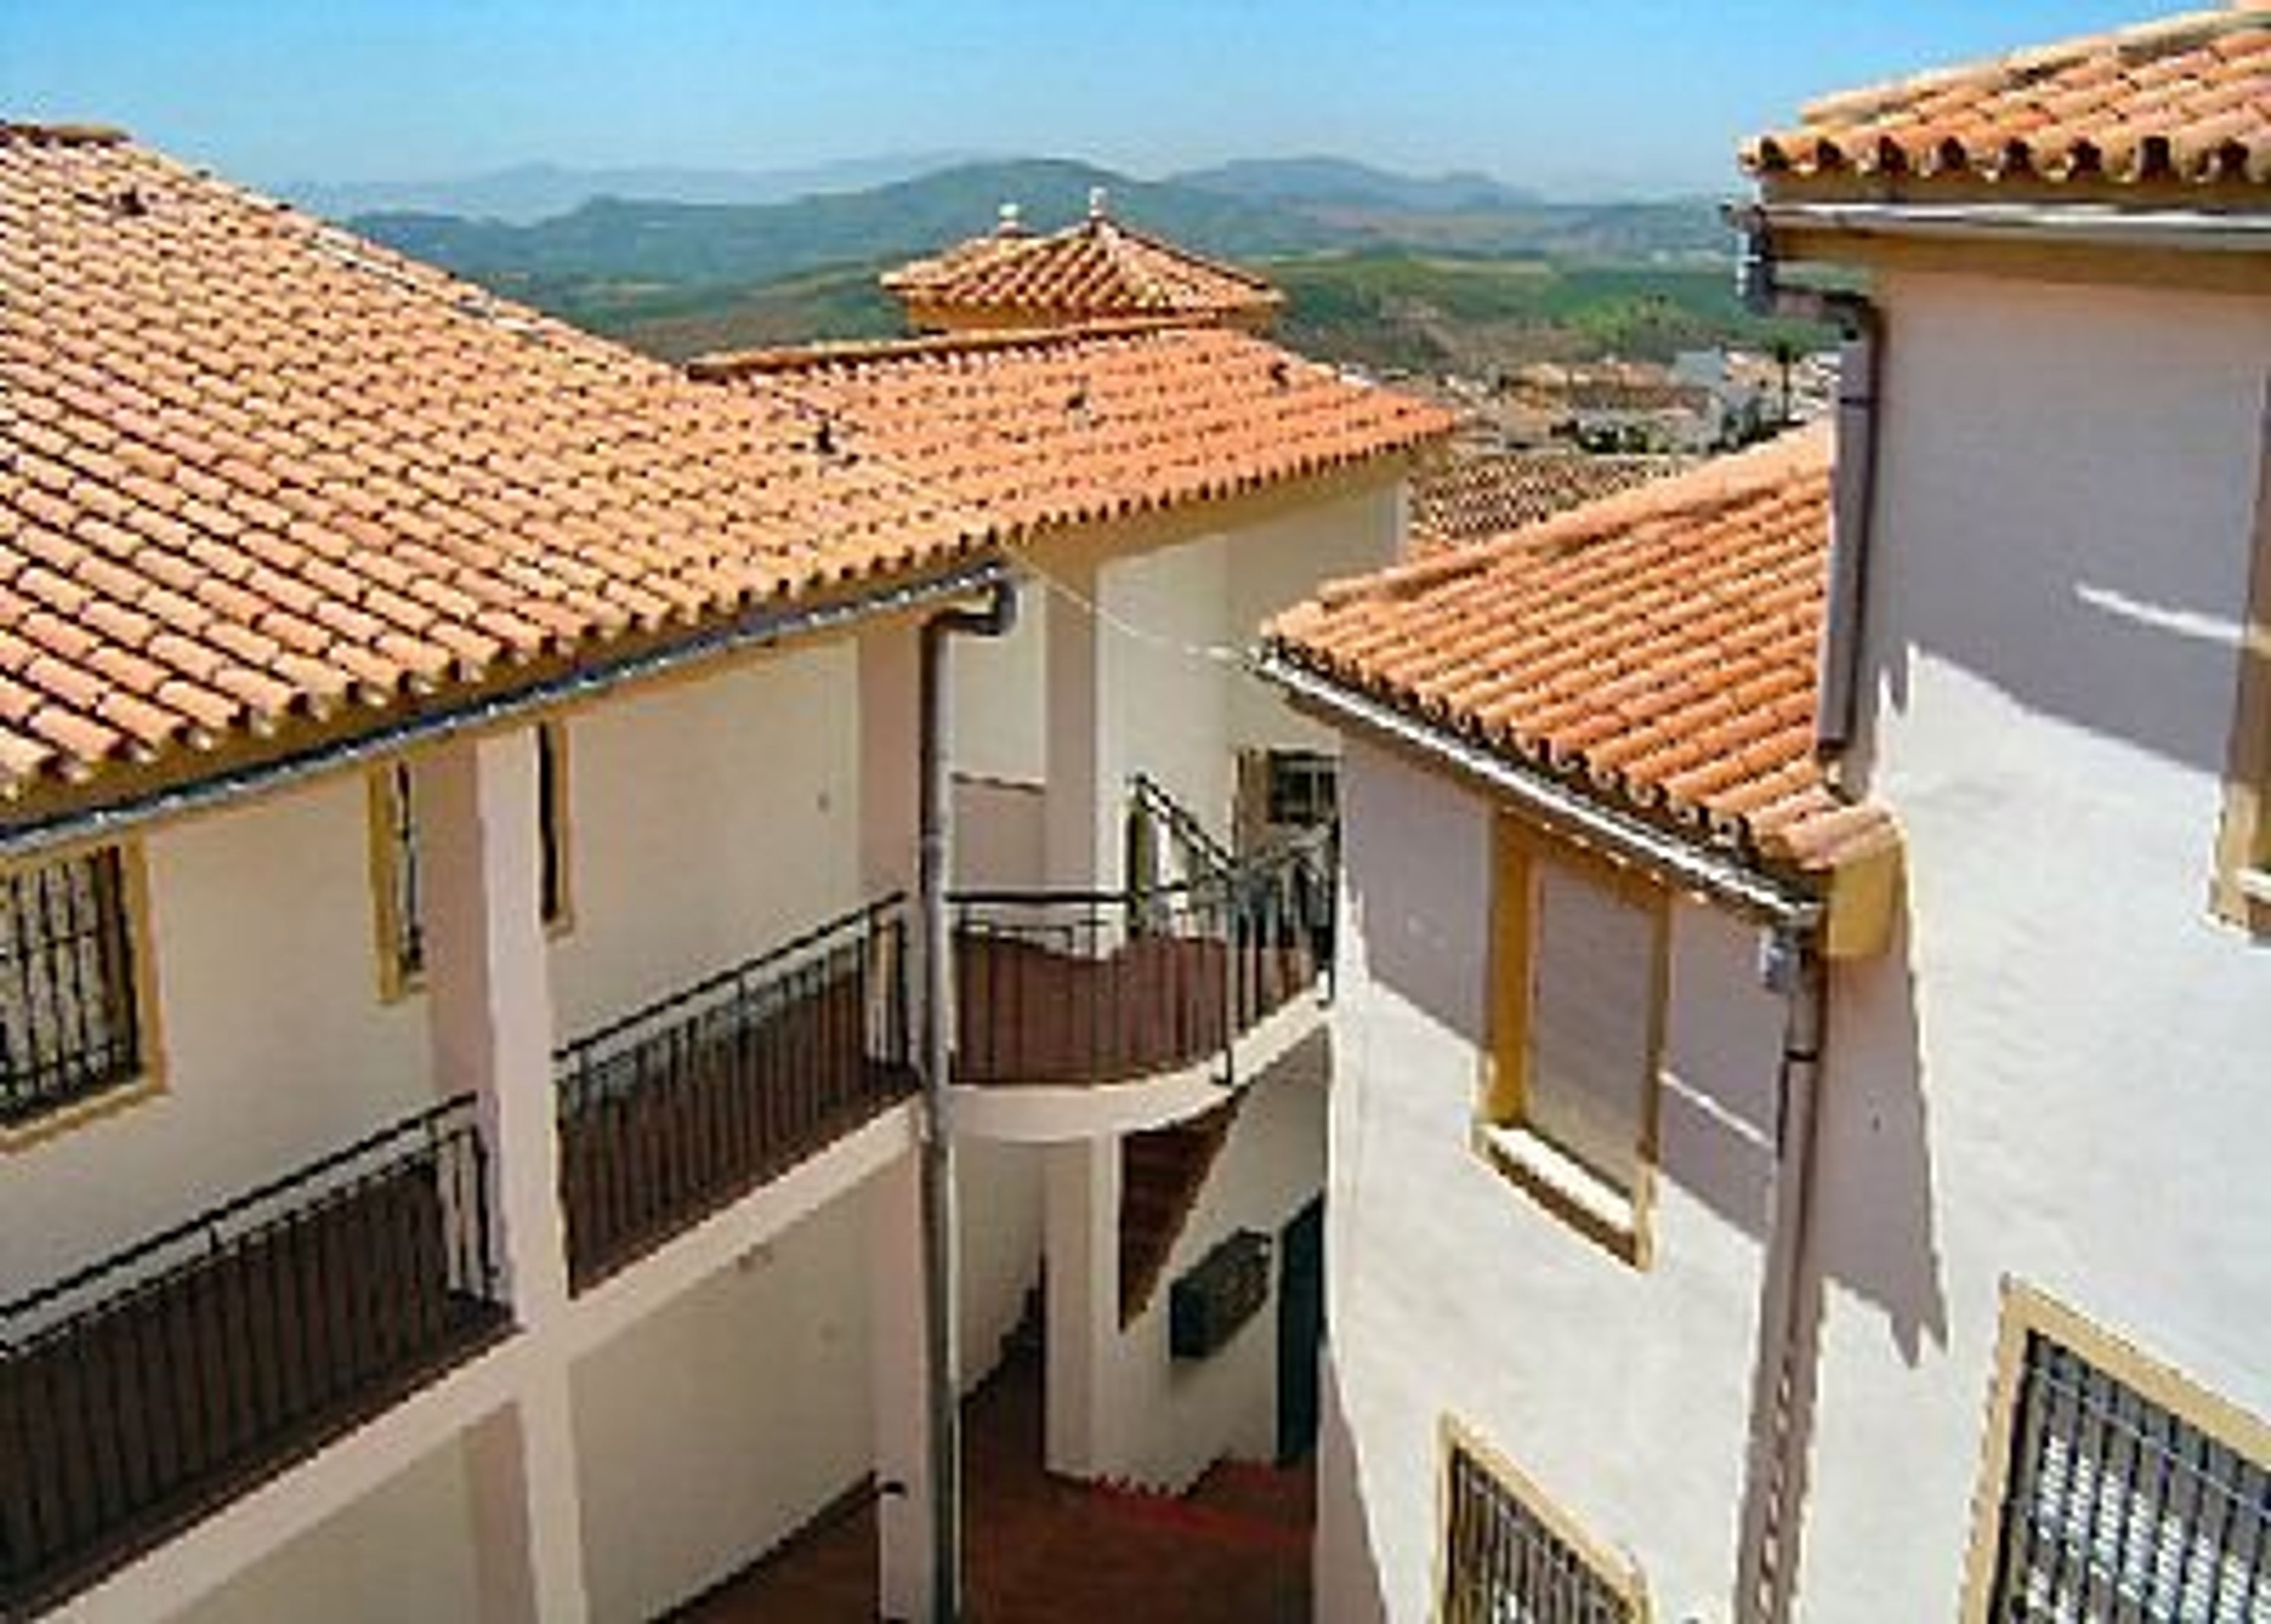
[672, 1113]
[141, 1392]
[1093, 988]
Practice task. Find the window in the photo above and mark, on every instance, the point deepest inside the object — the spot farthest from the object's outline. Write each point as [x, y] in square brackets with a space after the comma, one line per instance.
[69, 1025]
[1510, 1558]
[1302, 789]
[1580, 950]
[2116, 1489]
[1281, 790]
[552, 824]
[396, 881]
[397, 876]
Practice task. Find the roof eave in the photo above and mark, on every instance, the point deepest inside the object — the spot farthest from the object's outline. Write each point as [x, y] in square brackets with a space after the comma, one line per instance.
[1575, 807]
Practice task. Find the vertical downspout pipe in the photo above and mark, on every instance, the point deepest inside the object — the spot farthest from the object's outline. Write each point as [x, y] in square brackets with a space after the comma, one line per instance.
[1771, 1511]
[941, 1222]
[1853, 499]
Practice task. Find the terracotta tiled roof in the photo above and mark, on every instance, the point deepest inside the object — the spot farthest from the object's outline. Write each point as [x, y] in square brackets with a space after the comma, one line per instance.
[257, 474]
[1656, 647]
[2186, 99]
[1071, 426]
[1476, 498]
[1096, 269]
[263, 484]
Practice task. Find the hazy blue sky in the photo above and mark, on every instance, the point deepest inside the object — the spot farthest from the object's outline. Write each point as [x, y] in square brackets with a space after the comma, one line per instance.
[1561, 91]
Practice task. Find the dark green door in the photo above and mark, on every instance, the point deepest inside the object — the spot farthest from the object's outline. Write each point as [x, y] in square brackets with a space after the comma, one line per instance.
[1300, 1330]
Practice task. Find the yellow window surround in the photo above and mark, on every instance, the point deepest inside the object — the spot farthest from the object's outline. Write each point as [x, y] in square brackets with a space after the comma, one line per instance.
[1498, 1529]
[2101, 1388]
[129, 969]
[1609, 1206]
[396, 908]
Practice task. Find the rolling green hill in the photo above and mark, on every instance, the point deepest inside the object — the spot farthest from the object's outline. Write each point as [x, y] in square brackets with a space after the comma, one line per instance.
[1421, 276]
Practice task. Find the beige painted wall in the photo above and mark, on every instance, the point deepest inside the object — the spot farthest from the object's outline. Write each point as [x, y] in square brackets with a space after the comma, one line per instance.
[404, 1552]
[722, 1422]
[1168, 1420]
[712, 819]
[1624, 1393]
[2059, 1073]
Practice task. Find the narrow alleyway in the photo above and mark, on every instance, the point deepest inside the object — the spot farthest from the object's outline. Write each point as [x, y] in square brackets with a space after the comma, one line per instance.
[1041, 1551]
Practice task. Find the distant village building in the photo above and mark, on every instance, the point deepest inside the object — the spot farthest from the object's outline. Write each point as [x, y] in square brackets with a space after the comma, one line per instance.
[1472, 498]
[1095, 270]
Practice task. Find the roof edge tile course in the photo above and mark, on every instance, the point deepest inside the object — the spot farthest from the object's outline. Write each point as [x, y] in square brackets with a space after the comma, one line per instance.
[1655, 648]
[2178, 102]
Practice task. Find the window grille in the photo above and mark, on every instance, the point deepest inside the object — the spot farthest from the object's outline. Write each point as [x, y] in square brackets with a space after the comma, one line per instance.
[1303, 789]
[405, 914]
[67, 1016]
[1506, 1565]
[2116, 1508]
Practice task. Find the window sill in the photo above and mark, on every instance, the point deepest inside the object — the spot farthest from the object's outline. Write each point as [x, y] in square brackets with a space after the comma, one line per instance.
[81, 1113]
[1612, 1217]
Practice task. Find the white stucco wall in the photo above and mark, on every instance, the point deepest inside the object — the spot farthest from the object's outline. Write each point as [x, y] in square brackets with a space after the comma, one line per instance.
[722, 1422]
[710, 819]
[1000, 1185]
[275, 1044]
[1624, 1393]
[1275, 565]
[1163, 706]
[999, 717]
[2059, 1073]
[1166, 1420]
[403, 1551]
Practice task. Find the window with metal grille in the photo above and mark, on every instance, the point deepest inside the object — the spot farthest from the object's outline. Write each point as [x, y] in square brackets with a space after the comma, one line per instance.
[401, 896]
[1304, 789]
[2115, 1507]
[1507, 1562]
[67, 1017]
[398, 876]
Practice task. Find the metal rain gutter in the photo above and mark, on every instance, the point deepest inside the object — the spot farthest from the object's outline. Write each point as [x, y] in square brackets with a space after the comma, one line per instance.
[940, 1216]
[1720, 875]
[2072, 224]
[1853, 495]
[38, 836]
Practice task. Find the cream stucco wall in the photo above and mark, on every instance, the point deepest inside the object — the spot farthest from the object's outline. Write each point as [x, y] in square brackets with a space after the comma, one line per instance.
[403, 1551]
[1624, 1393]
[711, 819]
[726, 1419]
[2057, 1075]
[1166, 1420]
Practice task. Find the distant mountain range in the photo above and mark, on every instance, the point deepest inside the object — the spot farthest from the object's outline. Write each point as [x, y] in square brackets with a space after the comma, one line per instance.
[527, 193]
[1345, 183]
[1251, 210]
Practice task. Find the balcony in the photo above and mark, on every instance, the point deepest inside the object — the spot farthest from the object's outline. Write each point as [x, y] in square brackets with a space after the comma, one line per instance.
[1091, 988]
[678, 1110]
[149, 1389]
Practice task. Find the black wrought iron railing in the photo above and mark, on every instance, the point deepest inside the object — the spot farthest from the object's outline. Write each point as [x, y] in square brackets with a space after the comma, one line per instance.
[1166, 838]
[1104, 986]
[672, 1113]
[140, 1392]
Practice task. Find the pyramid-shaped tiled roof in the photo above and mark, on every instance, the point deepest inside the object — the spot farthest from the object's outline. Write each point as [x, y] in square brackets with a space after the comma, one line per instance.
[1098, 268]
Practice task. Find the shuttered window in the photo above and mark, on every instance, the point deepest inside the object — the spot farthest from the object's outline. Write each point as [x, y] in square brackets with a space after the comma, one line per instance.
[1579, 968]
